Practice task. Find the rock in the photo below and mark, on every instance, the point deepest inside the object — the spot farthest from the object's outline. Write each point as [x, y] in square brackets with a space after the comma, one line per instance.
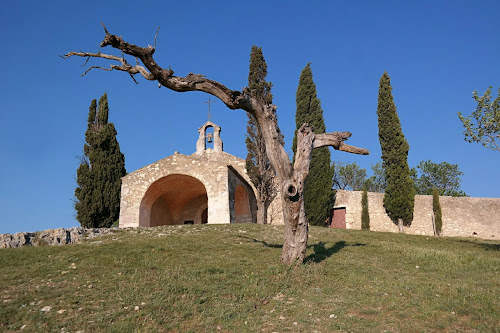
[46, 308]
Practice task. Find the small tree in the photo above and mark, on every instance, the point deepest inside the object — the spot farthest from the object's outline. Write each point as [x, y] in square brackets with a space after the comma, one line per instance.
[349, 176]
[99, 175]
[365, 215]
[399, 192]
[258, 166]
[376, 182]
[483, 125]
[443, 177]
[318, 193]
[436, 209]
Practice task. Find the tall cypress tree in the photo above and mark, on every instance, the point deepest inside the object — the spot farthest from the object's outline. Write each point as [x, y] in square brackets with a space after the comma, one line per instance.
[436, 209]
[365, 215]
[257, 163]
[318, 193]
[99, 175]
[399, 192]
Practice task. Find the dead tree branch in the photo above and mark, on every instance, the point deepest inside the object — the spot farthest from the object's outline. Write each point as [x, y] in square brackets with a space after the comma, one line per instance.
[156, 35]
[336, 140]
[125, 66]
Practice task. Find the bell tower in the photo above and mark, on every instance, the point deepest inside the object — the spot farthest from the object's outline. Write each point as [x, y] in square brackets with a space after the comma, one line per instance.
[208, 137]
[204, 138]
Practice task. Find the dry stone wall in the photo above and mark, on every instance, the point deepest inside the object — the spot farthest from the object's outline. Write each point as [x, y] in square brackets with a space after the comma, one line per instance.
[463, 216]
[59, 236]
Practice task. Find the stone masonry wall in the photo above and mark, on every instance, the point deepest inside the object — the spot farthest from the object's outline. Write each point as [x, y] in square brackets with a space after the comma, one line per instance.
[210, 168]
[463, 216]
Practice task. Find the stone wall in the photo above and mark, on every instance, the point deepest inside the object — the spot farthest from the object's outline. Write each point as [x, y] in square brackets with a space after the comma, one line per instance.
[275, 211]
[463, 216]
[59, 236]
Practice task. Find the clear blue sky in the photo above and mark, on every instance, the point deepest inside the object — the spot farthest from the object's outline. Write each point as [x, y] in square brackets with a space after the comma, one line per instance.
[436, 53]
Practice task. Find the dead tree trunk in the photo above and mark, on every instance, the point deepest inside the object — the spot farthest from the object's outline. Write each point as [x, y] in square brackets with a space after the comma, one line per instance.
[291, 178]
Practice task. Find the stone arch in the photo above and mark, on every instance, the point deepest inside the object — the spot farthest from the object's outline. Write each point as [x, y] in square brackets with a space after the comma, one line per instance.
[209, 137]
[173, 199]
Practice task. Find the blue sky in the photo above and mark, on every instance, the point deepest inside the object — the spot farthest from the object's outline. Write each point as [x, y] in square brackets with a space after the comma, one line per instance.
[436, 53]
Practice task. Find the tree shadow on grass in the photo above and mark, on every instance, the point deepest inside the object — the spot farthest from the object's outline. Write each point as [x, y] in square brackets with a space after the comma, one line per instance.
[322, 253]
[485, 245]
[266, 244]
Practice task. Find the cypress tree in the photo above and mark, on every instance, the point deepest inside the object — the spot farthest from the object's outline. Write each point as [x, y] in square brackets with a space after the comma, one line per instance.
[365, 216]
[99, 175]
[436, 209]
[318, 193]
[399, 192]
[257, 163]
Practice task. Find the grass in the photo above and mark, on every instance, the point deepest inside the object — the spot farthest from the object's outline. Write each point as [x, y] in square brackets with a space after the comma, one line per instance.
[227, 278]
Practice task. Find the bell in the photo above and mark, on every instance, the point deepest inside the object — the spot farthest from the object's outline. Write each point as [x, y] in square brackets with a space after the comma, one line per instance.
[209, 137]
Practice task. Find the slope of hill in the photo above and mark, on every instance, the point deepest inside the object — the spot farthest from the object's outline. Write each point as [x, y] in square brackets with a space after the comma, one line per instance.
[227, 278]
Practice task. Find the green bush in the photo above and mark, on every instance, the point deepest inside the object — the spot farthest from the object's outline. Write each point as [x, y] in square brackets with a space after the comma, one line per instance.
[436, 209]
[365, 216]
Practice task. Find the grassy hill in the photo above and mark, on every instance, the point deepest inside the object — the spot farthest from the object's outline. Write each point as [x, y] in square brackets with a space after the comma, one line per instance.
[227, 278]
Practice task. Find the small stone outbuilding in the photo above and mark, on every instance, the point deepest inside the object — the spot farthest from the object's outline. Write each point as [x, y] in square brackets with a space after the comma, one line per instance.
[209, 186]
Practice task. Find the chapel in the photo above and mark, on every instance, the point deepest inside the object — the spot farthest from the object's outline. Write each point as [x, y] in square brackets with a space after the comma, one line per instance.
[208, 186]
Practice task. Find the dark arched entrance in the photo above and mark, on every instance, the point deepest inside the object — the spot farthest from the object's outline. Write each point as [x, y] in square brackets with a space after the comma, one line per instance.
[174, 199]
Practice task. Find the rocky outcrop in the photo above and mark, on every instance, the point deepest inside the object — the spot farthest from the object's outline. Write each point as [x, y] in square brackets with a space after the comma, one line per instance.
[51, 237]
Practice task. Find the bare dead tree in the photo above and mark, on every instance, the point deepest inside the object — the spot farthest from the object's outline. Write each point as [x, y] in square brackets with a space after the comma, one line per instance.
[291, 178]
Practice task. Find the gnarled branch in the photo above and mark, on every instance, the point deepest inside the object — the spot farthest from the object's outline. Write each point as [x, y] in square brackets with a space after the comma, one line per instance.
[307, 140]
[125, 66]
[336, 140]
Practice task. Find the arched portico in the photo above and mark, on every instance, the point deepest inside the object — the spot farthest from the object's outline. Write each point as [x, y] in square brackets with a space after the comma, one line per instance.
[174, 199]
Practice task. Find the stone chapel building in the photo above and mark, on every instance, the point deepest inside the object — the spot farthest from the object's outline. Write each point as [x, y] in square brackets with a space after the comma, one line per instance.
[208, 186]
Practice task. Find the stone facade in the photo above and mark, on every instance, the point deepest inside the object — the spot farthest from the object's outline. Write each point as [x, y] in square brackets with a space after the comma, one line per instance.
[462, 217]
[209, 186]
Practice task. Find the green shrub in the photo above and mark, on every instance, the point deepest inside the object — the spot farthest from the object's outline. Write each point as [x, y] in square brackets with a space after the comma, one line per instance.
[365, 216]
[436, 209]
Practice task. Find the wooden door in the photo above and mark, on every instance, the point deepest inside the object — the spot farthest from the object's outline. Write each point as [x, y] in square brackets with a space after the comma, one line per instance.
[338, 218]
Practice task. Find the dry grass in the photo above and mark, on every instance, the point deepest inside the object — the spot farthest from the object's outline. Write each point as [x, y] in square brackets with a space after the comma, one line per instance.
[227, 278]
